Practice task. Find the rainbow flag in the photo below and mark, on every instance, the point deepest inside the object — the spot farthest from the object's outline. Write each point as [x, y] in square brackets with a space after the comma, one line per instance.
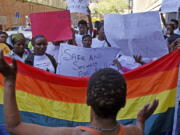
[53, 100]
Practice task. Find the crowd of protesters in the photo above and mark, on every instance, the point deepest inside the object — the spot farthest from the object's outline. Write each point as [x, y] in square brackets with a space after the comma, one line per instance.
[40, 53]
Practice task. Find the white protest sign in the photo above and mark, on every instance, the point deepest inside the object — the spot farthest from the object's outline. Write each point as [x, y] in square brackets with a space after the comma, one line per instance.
[80, 62]
[170, 6]
[78, 6]
[136, 34]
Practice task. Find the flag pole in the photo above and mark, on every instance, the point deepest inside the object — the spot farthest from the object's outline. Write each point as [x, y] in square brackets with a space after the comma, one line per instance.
[177, 109]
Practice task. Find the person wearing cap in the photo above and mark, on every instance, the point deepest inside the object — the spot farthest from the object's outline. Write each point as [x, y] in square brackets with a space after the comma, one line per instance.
[19, 52]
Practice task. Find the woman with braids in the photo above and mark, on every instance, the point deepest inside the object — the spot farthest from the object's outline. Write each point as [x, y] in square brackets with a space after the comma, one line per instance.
[106, 95]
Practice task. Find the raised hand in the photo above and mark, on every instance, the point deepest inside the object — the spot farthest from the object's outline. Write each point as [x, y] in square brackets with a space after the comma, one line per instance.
[7, 70]
[138, 59]
[147, 111]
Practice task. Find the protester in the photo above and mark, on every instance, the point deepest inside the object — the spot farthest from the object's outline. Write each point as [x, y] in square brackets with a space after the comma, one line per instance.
[106, 95]
[100, 41]
[83, 30]
[174, 22]
[169, 35]
[39, 58]
[97, 26]
[3, 39]
[87, 41]
[19, 52]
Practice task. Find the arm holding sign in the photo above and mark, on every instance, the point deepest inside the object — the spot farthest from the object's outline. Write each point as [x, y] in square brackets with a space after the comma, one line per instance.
[138, 59]
[90, 21]
[119, 66]
[163, 20]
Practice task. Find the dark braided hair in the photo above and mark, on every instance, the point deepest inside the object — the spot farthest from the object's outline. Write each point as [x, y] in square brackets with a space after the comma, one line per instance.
[106, 92]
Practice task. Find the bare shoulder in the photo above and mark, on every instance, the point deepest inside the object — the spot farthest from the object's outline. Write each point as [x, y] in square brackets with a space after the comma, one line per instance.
[132, 130]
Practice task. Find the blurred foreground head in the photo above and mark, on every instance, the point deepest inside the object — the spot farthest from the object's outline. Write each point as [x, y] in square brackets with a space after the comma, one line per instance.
[106, 93]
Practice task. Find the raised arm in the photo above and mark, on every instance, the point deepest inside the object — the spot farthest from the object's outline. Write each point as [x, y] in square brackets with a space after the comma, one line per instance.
[145, 113]
[163, 20]
[11, 113]
[139, 60]
[90, 21]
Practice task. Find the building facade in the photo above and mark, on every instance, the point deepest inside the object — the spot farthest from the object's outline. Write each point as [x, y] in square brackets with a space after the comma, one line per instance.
[15, 12]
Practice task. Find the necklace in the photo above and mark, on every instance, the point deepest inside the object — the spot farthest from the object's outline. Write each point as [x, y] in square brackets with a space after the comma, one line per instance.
[105, 129]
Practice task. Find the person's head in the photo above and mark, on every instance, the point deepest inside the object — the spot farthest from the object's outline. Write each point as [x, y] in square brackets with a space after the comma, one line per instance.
[106, 93]
[101, 34]
[87, 41]
[3, 37]
[18, 42]
[170, 29]
[83, 27]
[39, 43]
[175, 23]
[97, 25]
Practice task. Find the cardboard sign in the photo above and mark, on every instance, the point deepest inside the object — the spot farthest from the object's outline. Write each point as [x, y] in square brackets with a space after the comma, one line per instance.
[78, 6]
[78, 61]
[55, 26]
[170, 6]
[136, 34]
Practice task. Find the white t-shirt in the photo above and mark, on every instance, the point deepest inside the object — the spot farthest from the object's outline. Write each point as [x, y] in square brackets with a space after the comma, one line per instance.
[53, 50]
[44, 63]
[96, 43]
[78, 39]
[177, 31]
[17, 57]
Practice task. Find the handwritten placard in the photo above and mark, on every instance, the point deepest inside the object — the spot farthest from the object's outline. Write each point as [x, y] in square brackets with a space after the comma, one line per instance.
[78, 6]
[136, 34]
[170, 6]
[55, 26]
[81, 62]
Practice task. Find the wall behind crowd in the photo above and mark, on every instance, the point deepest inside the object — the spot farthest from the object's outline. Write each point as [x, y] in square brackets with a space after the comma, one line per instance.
[13, 12]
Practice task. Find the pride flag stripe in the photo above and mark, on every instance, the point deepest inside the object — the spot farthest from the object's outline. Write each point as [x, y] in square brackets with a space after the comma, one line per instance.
[72, 111]
[70, 94]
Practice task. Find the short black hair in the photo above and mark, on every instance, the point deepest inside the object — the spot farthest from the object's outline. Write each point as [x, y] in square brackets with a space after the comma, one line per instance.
[106, 92]
[97, 24]
[174, 20]
[36, 37]
[2, 32]
[83, 22]
[86, 36]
